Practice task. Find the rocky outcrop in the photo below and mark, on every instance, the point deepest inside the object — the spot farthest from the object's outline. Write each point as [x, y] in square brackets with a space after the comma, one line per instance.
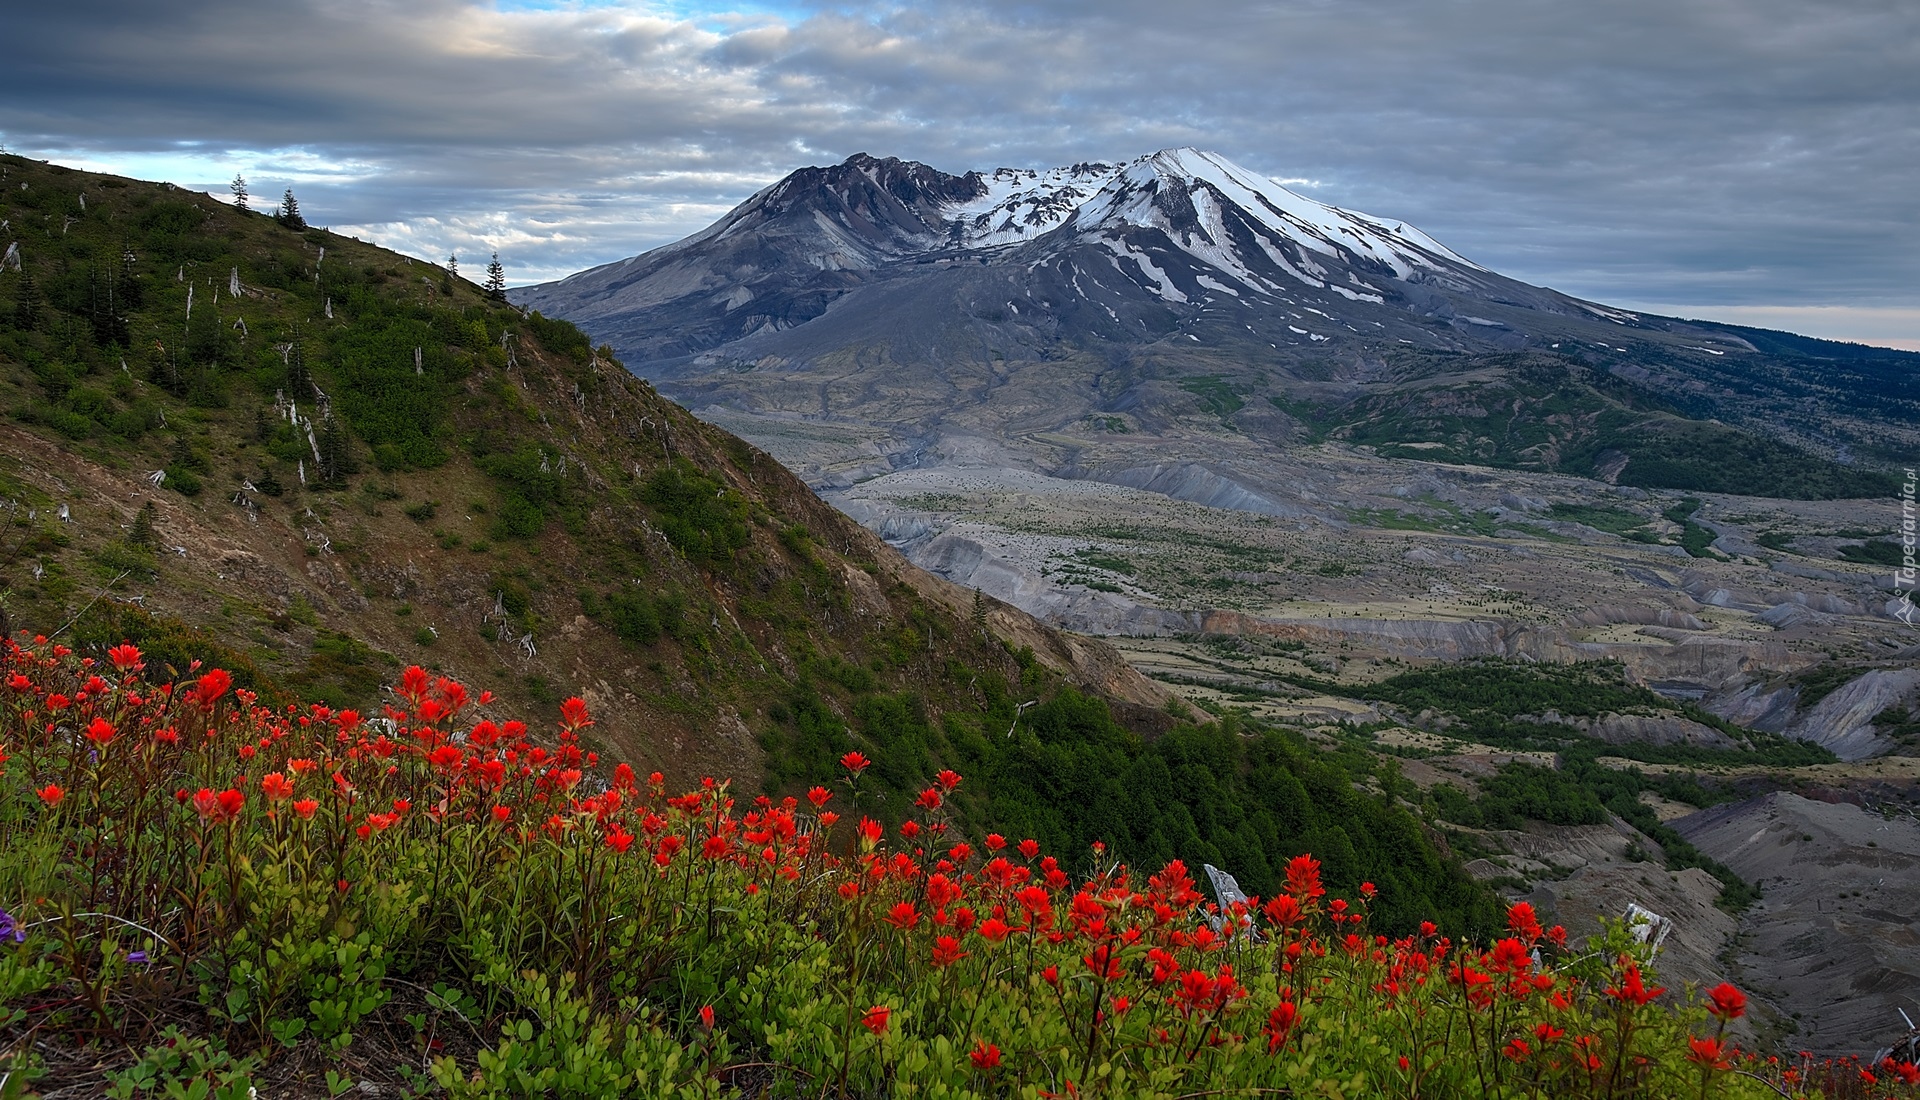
[1649, 729]
[1843, 721]
[1643, 616]
[966, 561]
[1758, 705]
[1199, 485]
[1423, 639]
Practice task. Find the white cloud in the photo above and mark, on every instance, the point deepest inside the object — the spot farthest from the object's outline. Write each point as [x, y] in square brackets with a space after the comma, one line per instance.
[1743, 154]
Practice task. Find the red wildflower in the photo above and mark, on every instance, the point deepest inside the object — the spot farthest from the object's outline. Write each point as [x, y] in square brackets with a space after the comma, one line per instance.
[706, 1017]
[994, 929]
[1517, 1050]
[903, 916]
[995, 842]
[1522, 922]
[1103, 962]
[1726, 1002]
[1029, 848]
[876, 1019]
[573, 715]
[1303, 878]
[305, 807]
[1510, 956]
[51, 794]
[1631, 988]
[941, 891]
[1283, 910]
[870, 833]
[276, 787]
[1280, 1024]
[929, 798]
[946, 951]
[1708, 1053]
[819, 796]
[218, 808]
[985, 1056]
[947, 779]
[100, 732]
[125, 657]
[854, 762]
[209, 688]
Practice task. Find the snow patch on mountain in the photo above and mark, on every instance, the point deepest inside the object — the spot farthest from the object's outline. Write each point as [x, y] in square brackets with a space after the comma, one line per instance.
[1148, 193]
[1021, 204]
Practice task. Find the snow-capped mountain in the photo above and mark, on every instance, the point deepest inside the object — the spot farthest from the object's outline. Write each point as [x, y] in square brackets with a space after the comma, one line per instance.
[1173, 228]
[1019, 301]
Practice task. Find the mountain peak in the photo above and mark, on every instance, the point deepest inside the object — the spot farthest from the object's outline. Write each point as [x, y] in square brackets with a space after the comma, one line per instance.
[1181, 225]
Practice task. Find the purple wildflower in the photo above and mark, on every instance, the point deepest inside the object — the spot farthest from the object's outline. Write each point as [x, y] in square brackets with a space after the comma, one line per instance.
[10, 928]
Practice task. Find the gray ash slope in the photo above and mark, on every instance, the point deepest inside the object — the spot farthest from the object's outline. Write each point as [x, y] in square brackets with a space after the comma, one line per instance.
[891, 292]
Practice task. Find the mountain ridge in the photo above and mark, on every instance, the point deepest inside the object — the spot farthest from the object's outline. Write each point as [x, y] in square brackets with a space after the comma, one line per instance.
[879, 276]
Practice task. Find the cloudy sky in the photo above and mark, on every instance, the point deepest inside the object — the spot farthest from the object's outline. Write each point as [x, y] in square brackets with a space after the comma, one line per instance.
[1755, 161]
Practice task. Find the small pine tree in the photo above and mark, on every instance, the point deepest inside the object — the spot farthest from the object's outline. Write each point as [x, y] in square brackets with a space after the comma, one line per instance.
[239, 189]
[496, 280]
[26, 305]
[453, 265]
[143, 533]
[289, 215]
[978, 616]
[126, 287]
[299, 378]
[336, 452]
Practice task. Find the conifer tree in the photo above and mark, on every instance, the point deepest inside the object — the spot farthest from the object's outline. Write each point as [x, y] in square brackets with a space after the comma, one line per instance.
[239, 189]
[978, 616]
[26, 305]
[496, 280]
[143, 533]
[126, 287]
[289, 215]
[299, 378]
[453, 265]
[336, 451]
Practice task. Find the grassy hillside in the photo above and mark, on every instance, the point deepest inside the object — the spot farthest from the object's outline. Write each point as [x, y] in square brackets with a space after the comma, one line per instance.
[359, 460]
[1551, 412]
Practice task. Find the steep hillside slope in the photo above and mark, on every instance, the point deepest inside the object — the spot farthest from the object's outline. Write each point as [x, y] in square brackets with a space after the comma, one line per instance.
[315, 462]
[331, 460]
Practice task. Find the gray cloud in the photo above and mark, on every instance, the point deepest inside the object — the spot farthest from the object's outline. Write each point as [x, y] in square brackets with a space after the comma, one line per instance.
[1750, 153]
